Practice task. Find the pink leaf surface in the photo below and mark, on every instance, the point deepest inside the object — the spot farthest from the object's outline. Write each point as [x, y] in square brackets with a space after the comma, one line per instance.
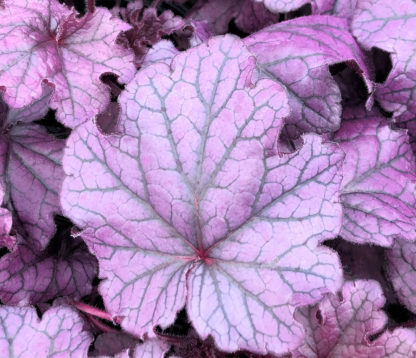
[340, 327]
[27, 277]
[31, 173]
[297, 54]
[390, 27]
[401, 269]
[59, 334]
[377, 209]
[44, 41]
[196, 209]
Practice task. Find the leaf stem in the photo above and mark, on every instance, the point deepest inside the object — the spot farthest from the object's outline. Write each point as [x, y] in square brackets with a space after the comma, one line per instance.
[93, 311]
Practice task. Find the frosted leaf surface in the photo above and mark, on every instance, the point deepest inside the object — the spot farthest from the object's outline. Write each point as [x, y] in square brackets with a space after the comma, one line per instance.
[197, 209]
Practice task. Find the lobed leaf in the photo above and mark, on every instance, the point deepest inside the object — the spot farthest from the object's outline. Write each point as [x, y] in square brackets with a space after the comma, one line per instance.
[196, 208]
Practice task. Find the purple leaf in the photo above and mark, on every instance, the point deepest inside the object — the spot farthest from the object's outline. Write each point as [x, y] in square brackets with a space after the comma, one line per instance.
[31, 173]
[148, 28]
[27, 277]
[195, 209]
[390, 27]
[58, 334]
[314, 96]
[378, 187]
[112, 344]
[401, 268]
[44, 41]
[342, 326]
[248, 15]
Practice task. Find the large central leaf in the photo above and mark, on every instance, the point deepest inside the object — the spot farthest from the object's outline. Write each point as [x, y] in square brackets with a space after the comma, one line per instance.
[190, 205]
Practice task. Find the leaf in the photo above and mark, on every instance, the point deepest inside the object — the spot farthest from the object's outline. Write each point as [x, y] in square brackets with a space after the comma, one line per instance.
[341, 327]
[401, 269]
[196, 209]
[44, 41]
[378, 188]
[27, 277]
[148, 28]
[390, 27]
[31, 173]
[111, 344]
[297, 53]
[23, 335]
[248, 15]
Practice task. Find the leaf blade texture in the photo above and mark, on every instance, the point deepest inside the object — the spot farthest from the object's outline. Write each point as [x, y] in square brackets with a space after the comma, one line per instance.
[193, 188]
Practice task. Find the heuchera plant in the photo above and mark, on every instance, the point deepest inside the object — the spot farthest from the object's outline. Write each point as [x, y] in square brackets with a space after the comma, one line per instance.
[207, 178]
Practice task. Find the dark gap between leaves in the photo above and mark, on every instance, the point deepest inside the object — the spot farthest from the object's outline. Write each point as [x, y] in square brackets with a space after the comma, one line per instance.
[53, 126]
